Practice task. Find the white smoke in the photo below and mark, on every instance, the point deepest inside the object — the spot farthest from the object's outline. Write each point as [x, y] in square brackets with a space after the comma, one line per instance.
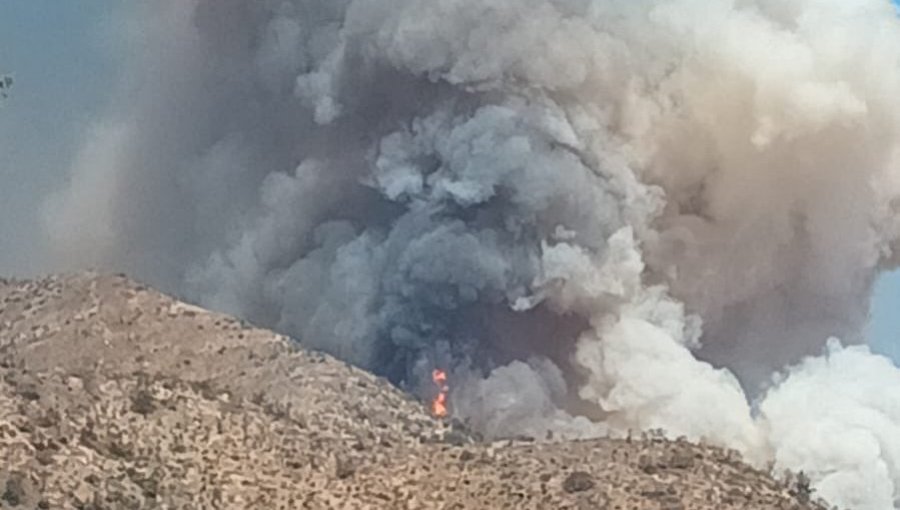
[598, 215]
[838, 418]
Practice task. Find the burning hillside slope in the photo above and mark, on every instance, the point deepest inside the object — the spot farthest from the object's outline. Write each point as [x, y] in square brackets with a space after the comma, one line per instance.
[114, 396]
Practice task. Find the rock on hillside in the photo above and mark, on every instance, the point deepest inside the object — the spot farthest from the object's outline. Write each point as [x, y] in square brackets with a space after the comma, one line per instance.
[113, 396]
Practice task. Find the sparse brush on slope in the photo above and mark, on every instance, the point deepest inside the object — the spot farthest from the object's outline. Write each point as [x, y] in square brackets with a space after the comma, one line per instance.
[114, 396]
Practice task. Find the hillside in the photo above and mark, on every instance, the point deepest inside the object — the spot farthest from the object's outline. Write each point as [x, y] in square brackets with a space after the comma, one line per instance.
[115, 396]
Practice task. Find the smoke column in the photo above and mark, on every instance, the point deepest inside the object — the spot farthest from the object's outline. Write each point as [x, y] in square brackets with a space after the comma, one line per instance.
[596, 215]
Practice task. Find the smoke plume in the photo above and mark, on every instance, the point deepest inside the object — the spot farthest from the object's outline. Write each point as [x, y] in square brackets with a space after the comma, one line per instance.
[596, 215]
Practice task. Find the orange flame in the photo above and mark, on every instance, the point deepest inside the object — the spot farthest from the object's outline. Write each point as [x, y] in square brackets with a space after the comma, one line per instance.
[439, 404]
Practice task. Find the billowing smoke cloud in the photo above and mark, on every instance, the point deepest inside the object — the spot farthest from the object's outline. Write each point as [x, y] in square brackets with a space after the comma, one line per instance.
[597, 215]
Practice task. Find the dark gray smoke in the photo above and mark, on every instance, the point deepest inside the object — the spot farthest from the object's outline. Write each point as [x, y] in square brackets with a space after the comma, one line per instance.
[590, 212]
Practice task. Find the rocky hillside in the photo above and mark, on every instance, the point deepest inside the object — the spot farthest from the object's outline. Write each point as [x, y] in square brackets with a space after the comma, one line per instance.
[113, 396]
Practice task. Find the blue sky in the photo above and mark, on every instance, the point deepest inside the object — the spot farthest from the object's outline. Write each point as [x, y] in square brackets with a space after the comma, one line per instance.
[63, 55]
[884, 330]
